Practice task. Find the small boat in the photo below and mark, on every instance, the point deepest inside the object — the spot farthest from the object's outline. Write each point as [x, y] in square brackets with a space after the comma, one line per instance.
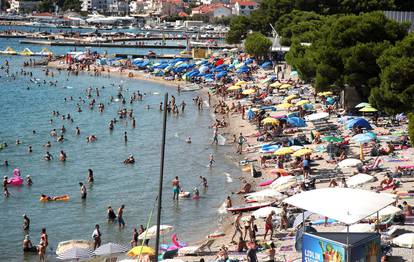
[8, 51]
[249, 207]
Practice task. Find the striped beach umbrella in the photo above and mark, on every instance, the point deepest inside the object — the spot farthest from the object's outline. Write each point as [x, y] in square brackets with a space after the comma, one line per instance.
[76, 253]
[110, 248]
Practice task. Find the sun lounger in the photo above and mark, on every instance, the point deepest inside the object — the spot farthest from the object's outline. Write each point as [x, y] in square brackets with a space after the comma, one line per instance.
[196, 250]
[374, 166]
[409, 220]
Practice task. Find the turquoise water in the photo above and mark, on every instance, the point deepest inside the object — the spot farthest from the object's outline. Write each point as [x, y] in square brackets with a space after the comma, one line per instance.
[23, 110]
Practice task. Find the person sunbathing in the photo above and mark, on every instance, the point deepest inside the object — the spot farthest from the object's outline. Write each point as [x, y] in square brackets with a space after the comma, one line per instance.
[387, 151]
[387, 182]
[246, 188]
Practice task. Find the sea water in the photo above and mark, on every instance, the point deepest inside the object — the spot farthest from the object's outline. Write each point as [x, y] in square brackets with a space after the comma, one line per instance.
[26, 106]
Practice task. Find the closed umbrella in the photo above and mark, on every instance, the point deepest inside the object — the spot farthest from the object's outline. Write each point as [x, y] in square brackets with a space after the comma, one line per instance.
[405, 240]
[265, 211]
[152, 231]
[141, 250]
[76, 253]
[110, 248]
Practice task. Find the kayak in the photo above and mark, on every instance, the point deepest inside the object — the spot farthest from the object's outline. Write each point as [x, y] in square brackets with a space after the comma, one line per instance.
[184, 194]
[56, 198]
[267, 182]
[249, 207]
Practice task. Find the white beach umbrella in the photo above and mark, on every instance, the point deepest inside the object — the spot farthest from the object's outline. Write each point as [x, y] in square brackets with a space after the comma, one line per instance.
[110, 248]
[265, 211]
[359, 179]
[405, 240]
[76, 253]
[349, 162]
[283, 183]
[361, 228]
[387, 212]
[267, 194]
[316, 116]
[152, 231]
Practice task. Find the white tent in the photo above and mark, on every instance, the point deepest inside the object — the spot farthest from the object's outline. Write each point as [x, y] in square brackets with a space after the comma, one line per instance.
[359, 179]
[345, 205]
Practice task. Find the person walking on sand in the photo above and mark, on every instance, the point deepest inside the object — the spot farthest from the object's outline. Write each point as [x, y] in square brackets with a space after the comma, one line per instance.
[237, 226]
[176, 187]
[240, 142]
[269, 225]
[121, 222]
[96, 235]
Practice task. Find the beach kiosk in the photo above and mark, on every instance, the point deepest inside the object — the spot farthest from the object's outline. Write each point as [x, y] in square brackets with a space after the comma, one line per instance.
[347, 206]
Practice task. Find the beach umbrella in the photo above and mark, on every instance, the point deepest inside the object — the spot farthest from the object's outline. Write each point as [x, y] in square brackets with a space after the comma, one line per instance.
[240, 83]
[284, 106]
[405, 240]
[66, 245]
[361, 228]
[152, 231]
[332, 139]
[250, 114]
[368, 109]
[285, 86]
[359, 179]
[265, 195]
[316, 116]
[294, 74]
[265, 211]
[249, 91]
[308, 107]
[362, 138]
[275, 84]
[110, 248]
[290, 97]
[296, 121]
[349, 162]
[296, 148]
[358, 122]
[302, 102]
[302, 152]
[76, 253]
[326, 93]
[270, 121]
[363, 104]
[283, 183]
[283, 151]
[233, 88]
[266, 65]
[299, 218]
[141, 250]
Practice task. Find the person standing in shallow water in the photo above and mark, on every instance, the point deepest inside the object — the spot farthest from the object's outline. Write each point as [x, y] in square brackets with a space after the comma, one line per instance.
[96, 235]
[82, 190]
[176, 187]
[90, 176]
[121, 222]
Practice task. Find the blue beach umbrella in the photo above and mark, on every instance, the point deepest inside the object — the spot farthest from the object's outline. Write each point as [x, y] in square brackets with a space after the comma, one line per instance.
[296, 122]
[362, 138]
[250, 114]
[266, 65]
[358, 122]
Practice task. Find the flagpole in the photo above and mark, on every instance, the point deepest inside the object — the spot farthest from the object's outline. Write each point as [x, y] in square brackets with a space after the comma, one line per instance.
[164, 130]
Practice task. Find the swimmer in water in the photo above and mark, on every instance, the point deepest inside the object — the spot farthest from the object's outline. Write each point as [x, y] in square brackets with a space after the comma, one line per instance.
[211, 160]
[30, 149]
[48, 144]
[62, 156]
[188, 140]
[47, 156]
[29, 180]
[90, 176]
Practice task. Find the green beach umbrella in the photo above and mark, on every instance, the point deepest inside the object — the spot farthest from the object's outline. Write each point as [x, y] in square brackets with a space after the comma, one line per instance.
[332, 139]
[363, 104]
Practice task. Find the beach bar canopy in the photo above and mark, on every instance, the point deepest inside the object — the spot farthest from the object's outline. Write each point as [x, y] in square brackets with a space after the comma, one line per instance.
[346, 205]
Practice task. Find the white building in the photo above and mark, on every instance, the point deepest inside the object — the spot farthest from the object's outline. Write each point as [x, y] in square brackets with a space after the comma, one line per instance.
[22, 6]
[244, 8]
[95, 5]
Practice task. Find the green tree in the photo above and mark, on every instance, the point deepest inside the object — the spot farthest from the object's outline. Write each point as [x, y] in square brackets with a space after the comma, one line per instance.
[239, 26]
[73, 5]
[395, 94]
[258, 45]
[46, 6]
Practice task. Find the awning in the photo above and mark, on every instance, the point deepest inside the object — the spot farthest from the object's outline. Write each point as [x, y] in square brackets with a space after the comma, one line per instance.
[345, 205]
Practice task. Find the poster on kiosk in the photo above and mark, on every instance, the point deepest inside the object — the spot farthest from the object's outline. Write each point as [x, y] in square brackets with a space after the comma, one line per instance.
[332, 247]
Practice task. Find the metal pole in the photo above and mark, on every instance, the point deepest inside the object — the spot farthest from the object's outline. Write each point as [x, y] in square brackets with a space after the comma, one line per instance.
[164, 130]
[347, 243]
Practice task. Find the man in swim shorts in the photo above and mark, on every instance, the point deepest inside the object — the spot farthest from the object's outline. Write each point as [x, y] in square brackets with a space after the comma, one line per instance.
[176, 187]
[121, 222]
